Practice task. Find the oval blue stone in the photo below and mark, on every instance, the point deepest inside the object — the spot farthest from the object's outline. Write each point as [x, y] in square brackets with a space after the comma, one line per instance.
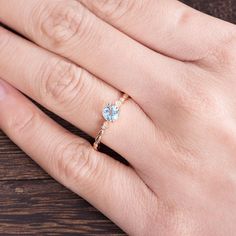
[110, 112]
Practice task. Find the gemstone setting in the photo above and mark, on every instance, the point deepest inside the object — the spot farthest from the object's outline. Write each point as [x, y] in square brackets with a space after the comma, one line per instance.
[111, 112]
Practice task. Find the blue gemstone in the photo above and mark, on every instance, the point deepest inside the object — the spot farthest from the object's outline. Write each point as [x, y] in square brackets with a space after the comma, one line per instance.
[110, 112]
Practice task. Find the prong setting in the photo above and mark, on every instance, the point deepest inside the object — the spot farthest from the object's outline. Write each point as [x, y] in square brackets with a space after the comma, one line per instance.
[110, 113]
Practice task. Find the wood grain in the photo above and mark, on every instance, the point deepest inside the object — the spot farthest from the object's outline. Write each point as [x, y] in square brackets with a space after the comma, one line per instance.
[31, 203]
[45, 207]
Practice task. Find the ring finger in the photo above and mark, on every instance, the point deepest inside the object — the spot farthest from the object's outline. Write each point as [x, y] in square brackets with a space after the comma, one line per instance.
[73, 93]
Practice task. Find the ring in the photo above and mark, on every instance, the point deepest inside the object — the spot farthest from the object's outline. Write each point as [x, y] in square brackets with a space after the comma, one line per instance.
[110, 113]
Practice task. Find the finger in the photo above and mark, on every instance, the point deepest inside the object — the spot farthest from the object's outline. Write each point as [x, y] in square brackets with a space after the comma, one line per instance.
[73, 162]
[67, 28]
[73, 94]
[169, 27]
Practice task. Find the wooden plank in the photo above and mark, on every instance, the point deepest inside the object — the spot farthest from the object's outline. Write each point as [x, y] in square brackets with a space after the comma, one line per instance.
[15, 165]
[45, 207]
[223, 9]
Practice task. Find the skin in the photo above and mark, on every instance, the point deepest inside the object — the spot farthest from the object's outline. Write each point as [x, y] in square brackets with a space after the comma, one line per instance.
[177, 131]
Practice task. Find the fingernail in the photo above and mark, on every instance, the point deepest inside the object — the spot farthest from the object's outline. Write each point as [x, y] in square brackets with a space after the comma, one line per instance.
[2, 91]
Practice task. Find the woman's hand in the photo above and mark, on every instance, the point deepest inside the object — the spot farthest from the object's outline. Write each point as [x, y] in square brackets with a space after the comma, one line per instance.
[177, 131]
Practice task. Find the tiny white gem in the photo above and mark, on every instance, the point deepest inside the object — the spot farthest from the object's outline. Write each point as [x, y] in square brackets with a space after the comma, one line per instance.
[118, 103]
[110, 112]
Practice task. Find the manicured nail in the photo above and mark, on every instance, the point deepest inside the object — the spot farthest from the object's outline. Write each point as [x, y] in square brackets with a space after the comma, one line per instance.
[2, 91]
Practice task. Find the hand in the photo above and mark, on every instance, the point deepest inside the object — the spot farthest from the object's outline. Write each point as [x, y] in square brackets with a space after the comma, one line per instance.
[177, 131]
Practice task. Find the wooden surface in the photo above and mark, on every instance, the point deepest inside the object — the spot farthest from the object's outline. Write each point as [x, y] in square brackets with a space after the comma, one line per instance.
[31, 203]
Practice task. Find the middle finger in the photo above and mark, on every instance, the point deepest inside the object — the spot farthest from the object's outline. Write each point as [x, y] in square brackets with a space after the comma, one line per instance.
[69, 29]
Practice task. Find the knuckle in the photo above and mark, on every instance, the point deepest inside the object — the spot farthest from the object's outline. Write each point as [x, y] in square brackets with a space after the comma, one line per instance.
[184, 17]
[187, 106]
[76, 162]
[191, 96]
[179, 101]
[114, 9]
[61, 22]
[25, 121]
[221, 55]
[64, 84]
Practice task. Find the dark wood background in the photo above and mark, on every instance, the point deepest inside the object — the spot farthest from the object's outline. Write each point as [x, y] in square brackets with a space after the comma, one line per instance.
[32, 203]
